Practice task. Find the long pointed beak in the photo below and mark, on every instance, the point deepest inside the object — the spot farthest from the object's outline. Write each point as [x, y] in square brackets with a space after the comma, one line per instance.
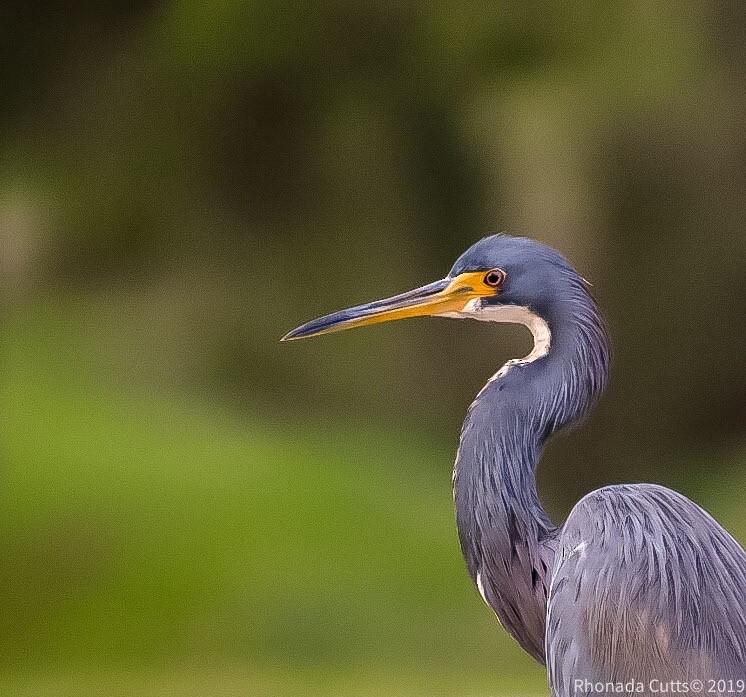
[444, 296]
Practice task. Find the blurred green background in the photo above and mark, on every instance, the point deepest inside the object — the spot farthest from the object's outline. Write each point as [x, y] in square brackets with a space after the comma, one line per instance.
[190, 507]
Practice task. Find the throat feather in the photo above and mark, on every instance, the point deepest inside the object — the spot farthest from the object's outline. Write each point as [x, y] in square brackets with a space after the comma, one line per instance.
[510, 314]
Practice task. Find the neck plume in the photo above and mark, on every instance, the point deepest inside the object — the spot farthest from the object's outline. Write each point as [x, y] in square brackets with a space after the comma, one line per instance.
[506, 536]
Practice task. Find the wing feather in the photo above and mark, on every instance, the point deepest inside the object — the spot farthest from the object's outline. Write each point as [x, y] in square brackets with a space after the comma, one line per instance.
[646, 586]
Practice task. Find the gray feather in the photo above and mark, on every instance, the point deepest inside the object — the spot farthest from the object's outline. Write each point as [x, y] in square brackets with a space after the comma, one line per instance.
[646, 586]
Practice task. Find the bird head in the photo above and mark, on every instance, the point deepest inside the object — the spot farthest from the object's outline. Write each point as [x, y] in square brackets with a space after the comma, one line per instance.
[498, 279]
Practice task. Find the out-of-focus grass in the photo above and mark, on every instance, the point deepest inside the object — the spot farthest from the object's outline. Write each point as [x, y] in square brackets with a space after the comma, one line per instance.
[253, 682]
[152, 546]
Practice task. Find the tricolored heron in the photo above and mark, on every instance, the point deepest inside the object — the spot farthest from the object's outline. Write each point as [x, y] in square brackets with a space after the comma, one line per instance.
[640, 587]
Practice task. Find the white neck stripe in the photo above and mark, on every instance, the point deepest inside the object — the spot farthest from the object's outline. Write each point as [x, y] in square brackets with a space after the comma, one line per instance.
[513, 314]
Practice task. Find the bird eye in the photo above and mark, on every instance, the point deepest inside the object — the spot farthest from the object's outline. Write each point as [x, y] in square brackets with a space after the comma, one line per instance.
[494, 278]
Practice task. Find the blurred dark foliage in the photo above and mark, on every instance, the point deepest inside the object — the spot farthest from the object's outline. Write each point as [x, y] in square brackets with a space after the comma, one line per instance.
[239, 169]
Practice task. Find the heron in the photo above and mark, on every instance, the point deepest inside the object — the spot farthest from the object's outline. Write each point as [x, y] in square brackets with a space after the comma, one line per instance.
[640, 589]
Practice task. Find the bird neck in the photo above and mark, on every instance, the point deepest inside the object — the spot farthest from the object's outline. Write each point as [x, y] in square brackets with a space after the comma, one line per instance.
[506, 536]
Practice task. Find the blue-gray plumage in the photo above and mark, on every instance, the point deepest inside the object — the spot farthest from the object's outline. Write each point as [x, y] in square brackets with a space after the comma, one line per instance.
[639, 584]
